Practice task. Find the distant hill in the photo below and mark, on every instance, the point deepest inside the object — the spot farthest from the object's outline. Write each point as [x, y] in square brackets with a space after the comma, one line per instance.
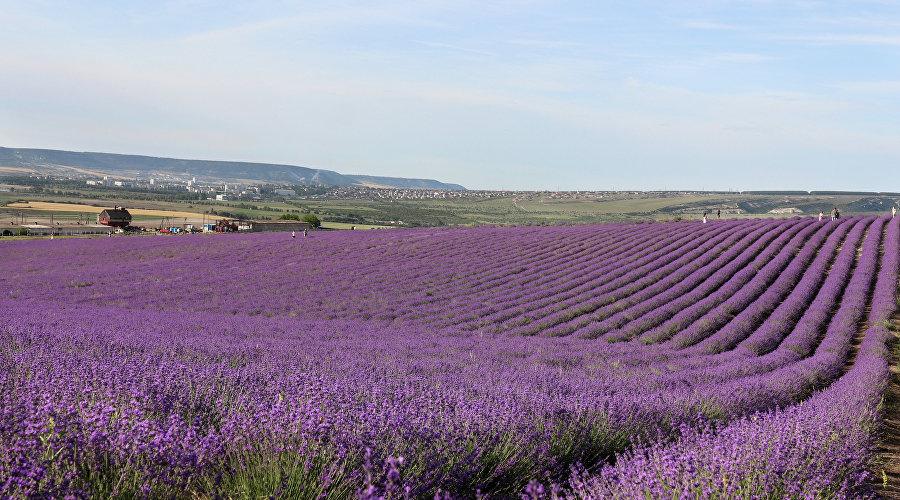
[400, 182]
[51, 161]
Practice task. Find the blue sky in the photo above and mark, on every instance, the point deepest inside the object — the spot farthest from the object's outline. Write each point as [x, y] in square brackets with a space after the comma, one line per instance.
[519, 94]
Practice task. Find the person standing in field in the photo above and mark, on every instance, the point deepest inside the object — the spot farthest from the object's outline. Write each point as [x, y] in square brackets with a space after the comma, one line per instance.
[893, 211]
[719, 214]
[834, 213]
[704, 217]
[305, 232]
[293, 235]
[821, 215]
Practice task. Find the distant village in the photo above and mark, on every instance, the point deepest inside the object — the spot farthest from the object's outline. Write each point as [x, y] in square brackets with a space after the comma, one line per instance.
[117, 219]
[202, 195]
[235, 191]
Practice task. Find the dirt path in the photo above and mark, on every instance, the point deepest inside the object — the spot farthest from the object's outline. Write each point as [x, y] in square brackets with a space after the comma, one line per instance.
[858, 338]
[863, 324]
[886, 470]
[887, 467]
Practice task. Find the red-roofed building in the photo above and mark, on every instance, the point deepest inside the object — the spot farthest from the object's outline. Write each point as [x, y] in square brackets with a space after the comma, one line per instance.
[116, 217]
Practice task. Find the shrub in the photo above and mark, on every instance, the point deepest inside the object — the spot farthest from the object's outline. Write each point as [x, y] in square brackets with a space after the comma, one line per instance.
[312, 220]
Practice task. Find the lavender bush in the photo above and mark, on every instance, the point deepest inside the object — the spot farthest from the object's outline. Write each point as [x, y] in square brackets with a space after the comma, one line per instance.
[654, 360]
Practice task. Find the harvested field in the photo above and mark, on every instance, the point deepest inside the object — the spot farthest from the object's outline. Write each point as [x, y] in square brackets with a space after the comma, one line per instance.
[74, 207]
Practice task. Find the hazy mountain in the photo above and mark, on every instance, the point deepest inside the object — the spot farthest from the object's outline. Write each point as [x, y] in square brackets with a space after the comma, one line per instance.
[400, 182]
[53, 161]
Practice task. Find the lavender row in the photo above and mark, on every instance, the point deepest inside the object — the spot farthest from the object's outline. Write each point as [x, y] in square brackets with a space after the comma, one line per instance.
[505, 263]
[220, 404]
[674, 295]
[791, 383]
[783, 332]
[508, 273]
[665, 322]
[627, 282]
[569, 293]
[884, 301]
[745, 322]
[820, 449]
[560, 277]
[240, 404]
[503, 304]
[672, 284]
[526, 277]
[327, 268]
[741, 290]
[694, 302]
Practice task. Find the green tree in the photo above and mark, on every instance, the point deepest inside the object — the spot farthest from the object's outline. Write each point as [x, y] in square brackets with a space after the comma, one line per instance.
[312, 220]
[290, 217]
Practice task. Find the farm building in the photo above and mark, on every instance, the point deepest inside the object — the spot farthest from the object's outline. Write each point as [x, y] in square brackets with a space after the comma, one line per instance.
[257, 226]
[58, 229]
[226, 226]
[116, 217]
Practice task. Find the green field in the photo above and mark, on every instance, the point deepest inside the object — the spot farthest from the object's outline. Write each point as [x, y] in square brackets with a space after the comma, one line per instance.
[511, 208]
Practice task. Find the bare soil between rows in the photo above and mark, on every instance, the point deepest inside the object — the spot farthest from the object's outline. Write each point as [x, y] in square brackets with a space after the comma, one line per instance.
[887, 467]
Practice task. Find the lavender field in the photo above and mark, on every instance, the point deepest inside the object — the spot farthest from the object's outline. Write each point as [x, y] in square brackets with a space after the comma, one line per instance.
[733, 359]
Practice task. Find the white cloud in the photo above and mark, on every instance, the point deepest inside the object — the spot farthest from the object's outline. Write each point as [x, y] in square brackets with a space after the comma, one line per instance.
[32, 22]
[708, 25]
[457, 48]
[492, 100]
[742, 57]
[310, 20]
[249, 29]
[882, 86]
[844, 39]
[546, 44]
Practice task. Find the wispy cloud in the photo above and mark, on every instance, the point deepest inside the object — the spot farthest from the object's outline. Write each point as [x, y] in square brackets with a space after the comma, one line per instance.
[325, 19]
[737, 57]
[844, 39]
[708, 25]
[13, 21]
[458, 48]
[545, 44]
[378, 84]
[882, 86]
[248, 29]
[859, 21]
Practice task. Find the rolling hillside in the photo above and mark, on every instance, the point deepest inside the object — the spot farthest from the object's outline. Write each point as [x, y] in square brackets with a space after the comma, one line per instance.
[52, 161]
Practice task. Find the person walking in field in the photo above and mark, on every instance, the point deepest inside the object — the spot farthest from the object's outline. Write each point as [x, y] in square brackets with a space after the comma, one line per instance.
[718, 214]
[305, 232]
[834, 213]
[821, 215]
